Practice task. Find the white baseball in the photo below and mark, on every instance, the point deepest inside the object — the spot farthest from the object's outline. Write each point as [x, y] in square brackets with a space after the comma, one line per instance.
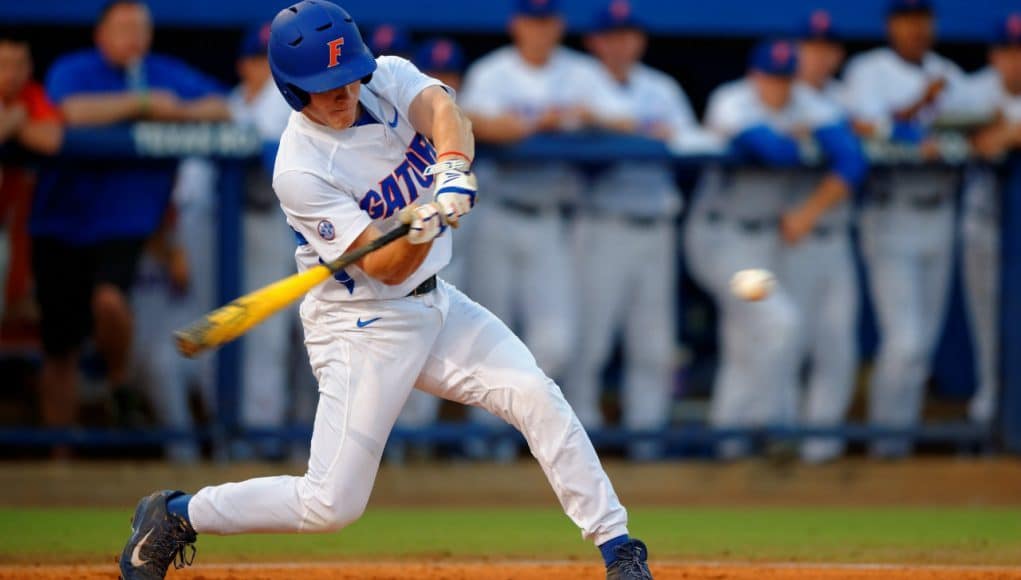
[752, 285]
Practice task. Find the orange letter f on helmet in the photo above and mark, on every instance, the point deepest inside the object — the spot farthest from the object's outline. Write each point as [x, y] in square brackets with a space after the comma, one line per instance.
[335, 51]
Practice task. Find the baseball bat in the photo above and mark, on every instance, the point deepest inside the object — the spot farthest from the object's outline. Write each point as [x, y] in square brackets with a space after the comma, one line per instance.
[231, 321]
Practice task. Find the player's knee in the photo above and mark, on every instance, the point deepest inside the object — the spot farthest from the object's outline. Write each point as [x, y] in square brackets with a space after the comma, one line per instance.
[323, 518]
[906, 348]
[109, 302]
[330, 511]
[653, 354]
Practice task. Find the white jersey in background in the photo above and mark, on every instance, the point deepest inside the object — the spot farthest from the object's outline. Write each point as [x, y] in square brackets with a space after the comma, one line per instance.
[734, 226]
[329, 201]
[644, 189]
[267, 112]
[502, 82]
[907, 226]
[879, 82]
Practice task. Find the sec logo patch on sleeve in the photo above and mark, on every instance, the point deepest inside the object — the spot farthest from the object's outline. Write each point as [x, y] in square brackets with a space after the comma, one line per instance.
[326, 230]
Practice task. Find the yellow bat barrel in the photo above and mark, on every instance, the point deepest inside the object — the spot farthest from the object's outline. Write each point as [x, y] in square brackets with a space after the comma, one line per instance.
[232, 320]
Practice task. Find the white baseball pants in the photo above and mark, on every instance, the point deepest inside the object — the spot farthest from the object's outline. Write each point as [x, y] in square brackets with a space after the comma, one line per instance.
[441, 343]
[820, 275]
[756, 382]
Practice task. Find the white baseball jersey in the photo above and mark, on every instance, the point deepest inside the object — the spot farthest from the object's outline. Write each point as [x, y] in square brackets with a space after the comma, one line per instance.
[990, 96]
[645, 189]
[268, 112]
[879, 82]
[334, 184]
[502, 83]
[760, 193]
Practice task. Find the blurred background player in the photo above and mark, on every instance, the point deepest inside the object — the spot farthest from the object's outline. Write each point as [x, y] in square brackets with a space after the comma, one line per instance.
[27, 120]
[390, 40]
[442, 59]
[520, 266]
[818, 263]
[268, 241]
[90, 220]
[628, 223]
[744, 220]
[907, 222]
[997, 90]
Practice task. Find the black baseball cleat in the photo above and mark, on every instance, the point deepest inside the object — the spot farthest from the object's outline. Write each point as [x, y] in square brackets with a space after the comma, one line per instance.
[630, 563]
[158, 538]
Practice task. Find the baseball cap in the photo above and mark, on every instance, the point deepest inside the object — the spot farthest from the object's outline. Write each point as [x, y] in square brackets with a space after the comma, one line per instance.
[537, 8]
[389, 39]
[819, 26]
[440, 55]
[255, 42]
[908, 7]
[774, 57]
[616, 15]
[1008, 33]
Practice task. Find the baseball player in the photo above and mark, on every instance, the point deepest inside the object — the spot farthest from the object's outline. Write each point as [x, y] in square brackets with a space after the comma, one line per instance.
[520, 266]
[998, 92]
[268, 242]
[442, 59]
[742, 219]
[390, 40]
[371, 139]
[818, 270]
[631, 210]
[907, 221]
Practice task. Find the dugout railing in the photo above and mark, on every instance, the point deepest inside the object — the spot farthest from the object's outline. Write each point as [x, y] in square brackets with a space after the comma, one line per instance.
[233, 147]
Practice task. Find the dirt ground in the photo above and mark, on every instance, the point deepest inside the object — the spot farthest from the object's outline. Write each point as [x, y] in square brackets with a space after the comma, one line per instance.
[522, 571]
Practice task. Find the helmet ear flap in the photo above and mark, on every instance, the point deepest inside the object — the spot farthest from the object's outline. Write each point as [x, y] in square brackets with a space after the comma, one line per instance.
[297, 98]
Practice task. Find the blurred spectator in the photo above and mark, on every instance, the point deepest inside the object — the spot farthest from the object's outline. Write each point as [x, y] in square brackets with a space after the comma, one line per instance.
[521, 267]
[907, 222]
[268, 241]
[743, 219]
[820, 55]
[998, 93]
[390, 40]
[818, 266]
[631, 212]
[443, 59]
[27, 119]
[90, 220]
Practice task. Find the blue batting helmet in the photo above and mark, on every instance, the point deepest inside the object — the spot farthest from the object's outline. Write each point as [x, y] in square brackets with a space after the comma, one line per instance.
[314, 47]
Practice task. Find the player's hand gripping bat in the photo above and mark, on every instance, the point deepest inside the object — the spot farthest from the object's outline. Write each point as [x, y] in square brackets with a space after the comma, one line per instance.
[231, 321]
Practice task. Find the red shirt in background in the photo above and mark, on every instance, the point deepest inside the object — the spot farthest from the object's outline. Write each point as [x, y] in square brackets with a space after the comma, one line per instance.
[16, 187]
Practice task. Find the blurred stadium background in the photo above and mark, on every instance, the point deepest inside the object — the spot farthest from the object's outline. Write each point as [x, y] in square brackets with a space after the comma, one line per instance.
[206, 430]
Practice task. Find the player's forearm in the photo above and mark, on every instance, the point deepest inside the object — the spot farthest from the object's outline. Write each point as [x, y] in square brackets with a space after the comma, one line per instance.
[43, 137]
[102, 109]
[10, 122]
[207, 109]
[831, 191]
[392, 264]
[499, 130]
[452, 130]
